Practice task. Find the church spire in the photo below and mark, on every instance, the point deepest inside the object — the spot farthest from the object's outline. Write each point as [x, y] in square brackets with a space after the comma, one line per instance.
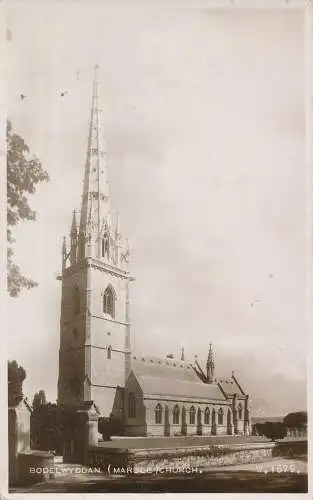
[95, 209]
[210, 365]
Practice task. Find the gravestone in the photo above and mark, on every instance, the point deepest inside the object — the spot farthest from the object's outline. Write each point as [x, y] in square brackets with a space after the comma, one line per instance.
[21, 458]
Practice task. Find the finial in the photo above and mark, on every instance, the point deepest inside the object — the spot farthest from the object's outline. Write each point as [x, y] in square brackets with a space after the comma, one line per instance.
[64, 245]
[74, 225]
[117, 226]
[182, 357]
[96, 71]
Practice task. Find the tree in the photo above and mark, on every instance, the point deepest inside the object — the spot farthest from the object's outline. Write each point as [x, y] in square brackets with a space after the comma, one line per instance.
[296, 420]
[170, 356]
[272, 430]
[39, 400]
[16, 377]
[24, 172]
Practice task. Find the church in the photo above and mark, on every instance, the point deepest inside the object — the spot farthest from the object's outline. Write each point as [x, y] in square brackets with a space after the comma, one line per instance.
[151, 396]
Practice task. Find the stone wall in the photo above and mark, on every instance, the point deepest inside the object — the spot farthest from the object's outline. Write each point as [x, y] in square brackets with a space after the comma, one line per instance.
[156, 460]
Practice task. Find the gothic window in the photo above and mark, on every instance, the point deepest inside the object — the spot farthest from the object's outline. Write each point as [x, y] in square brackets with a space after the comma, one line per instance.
[108, 302]
[207, 416]
[199, 416]
[131, 405]
[213, 417]
[176, 414]
[109, 352]
[158, 414]
[240, 411]
[192, 415]
[220, 416]
[76, 300]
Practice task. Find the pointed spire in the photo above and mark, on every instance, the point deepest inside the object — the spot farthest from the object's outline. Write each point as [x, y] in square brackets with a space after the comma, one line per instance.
[210, 365]
[74, 225]
[95, 200]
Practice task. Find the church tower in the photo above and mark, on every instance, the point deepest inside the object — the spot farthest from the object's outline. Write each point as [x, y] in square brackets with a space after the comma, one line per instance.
[94, 356]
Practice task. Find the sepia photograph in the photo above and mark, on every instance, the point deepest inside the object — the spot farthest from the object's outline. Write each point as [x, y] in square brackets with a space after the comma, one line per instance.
[156, 302]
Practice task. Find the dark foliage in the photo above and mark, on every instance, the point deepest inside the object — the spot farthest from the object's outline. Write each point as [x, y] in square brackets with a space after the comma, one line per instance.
[112, 426]
[16, 377]
[296, 420]
[39, 399]
[24, 172]
[272, 430]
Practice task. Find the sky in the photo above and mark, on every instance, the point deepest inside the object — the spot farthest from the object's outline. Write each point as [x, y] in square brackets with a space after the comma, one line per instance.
[205, 137]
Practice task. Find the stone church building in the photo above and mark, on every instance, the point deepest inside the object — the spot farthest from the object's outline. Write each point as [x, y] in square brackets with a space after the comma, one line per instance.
[152, 396]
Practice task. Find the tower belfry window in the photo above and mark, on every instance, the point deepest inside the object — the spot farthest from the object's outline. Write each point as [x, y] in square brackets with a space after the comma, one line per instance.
[109, 352]
[108, 302]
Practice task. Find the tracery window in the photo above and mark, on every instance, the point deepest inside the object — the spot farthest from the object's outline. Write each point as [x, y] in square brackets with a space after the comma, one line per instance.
[131, 405]
[192, 415]
[108, 302]
[158, 414]
[176, 414]
[207, 416]
[240, 411]
[220, 417]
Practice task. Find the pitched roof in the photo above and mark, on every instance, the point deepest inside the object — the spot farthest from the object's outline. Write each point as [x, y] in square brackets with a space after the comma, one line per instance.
[165, 387]
[152, 366]
[230, 387]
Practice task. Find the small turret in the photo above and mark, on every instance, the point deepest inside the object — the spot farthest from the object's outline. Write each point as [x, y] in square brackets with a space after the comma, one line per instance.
[210, 365]
[64, 254]
[182, 356]
[74, 240]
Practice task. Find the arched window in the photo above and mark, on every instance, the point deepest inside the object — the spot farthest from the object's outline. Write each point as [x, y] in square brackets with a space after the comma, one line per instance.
[192, 415]
[199, 416]
[207, 416]
[176, 414]
[213, 417]
[131, 405]
[108, 301]
[158, 414]
[220, 416]
[76, 300]
[109, 352]
[240, 411]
